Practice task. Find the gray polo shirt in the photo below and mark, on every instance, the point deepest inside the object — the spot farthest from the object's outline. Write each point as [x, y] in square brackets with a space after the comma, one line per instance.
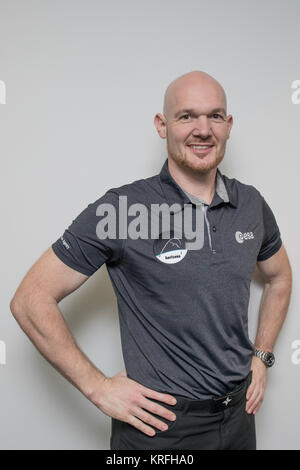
[183, 312]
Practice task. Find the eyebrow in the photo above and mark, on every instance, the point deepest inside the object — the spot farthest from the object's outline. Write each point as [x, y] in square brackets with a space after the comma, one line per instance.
[193, 111]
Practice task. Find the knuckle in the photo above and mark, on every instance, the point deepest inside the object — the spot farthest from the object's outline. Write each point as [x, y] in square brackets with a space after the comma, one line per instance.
[132, 396]
[153, 420]
[138, 424]
[132, 404]
[159, 424]
[150, 393]
[171, 416]
[146, 429]
[154, 409]
[130, 420]
[164, 412]
[149, 431]
[131, 411]
[148, 419]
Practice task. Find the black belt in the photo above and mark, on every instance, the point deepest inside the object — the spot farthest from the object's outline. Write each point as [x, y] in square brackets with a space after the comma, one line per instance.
[215, 404]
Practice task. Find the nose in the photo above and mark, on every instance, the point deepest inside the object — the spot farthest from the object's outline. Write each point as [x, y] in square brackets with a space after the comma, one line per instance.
[202, 127]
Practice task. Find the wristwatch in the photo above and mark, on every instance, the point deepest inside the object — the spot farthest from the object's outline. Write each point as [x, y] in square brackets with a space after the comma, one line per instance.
[267, 357]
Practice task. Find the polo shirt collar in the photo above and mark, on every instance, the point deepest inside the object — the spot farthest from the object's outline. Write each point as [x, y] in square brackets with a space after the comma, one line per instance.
[174, 194]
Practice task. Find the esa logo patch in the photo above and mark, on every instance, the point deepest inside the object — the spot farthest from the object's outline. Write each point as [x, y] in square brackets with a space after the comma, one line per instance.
[241, 237]
[169, 250]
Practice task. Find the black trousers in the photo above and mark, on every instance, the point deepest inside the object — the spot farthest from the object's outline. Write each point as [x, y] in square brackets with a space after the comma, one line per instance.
[220, 424]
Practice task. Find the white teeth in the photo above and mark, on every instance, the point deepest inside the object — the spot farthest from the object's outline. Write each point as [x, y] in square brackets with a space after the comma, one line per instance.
[200, 146]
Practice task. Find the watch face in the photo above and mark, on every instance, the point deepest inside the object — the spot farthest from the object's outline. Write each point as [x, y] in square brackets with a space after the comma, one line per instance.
[269, 359]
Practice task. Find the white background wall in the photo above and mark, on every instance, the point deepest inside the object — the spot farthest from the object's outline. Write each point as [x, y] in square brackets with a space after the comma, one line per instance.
[84, 80]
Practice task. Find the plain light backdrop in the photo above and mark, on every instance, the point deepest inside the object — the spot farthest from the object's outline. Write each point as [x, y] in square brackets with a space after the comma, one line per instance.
[84, 80]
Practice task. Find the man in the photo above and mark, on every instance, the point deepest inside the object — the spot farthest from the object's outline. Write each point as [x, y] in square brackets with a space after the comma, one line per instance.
[192, 378]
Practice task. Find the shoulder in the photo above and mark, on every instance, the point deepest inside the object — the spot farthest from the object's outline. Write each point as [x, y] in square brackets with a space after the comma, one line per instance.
[141, 190]
[241, 190]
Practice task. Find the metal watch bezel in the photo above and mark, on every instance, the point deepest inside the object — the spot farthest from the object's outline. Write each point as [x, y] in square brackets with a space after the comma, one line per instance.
[267, 357]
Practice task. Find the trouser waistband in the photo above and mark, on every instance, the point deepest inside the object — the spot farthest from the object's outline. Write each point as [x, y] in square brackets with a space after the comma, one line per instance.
[218, 403]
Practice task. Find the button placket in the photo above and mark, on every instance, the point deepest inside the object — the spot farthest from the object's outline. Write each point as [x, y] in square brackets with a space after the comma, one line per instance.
[209, 229]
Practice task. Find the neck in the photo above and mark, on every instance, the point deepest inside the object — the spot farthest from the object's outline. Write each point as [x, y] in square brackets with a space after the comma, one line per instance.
[202, 185]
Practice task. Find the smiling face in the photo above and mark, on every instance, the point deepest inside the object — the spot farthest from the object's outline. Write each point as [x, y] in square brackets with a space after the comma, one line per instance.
[194, 122]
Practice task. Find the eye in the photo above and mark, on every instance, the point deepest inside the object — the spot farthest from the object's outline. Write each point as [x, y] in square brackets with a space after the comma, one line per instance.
[217, 117]
[185, 116]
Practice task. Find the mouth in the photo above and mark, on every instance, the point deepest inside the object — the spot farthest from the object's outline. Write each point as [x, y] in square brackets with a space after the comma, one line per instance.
[200, 149]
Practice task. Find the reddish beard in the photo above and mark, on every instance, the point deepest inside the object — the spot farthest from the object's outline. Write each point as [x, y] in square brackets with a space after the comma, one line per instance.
[183, 161]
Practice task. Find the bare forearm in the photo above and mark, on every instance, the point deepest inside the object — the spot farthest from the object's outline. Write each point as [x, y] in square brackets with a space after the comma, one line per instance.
[273, 310]
[46, 328]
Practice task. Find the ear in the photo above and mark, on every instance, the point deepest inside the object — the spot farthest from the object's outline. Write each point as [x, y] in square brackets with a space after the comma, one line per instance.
[229, 122]
[160, 123]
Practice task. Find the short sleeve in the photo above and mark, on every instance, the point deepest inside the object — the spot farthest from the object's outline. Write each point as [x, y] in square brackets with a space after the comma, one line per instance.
[272, 237]
[82, 247]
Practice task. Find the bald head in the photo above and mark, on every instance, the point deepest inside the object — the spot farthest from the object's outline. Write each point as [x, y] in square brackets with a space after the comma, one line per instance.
[191, 80]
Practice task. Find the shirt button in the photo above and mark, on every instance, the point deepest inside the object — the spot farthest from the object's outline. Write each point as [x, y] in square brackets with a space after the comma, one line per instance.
[214, 252]
[214, 228]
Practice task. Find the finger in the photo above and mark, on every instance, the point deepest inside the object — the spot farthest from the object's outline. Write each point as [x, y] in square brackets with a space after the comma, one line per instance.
[158, 409]
[138, 424]
[252, 399]
[255, 403]
[250, 390]
[147, 418]
[164, 397]
[257, 408]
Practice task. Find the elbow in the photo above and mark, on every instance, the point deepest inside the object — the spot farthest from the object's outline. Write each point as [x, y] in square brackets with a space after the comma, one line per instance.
[15, 306]
[19, 304]
[20, 310]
